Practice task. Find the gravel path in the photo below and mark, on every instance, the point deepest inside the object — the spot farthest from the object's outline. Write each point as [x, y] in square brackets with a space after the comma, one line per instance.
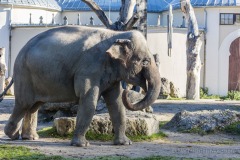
[212, 146]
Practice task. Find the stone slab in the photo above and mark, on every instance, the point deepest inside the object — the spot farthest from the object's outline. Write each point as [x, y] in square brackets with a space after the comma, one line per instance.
[138, 123]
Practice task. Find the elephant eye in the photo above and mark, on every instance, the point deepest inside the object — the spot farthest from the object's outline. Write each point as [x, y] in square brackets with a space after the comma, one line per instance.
[145, 62]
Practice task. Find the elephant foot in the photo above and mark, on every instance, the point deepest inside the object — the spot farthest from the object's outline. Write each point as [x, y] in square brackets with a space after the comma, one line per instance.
[10, 131]
[30, 136]
[122, 141]
[80, 142]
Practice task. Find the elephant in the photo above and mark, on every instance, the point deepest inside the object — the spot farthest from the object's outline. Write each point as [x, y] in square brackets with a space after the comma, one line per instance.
[80, 64]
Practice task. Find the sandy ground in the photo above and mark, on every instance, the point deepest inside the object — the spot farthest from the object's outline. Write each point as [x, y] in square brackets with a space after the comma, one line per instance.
[214, 146]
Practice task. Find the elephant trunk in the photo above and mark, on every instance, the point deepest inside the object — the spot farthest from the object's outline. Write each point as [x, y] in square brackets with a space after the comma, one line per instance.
[153, 78]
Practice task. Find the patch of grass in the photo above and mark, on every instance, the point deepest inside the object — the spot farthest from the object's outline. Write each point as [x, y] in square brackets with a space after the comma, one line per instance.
[197, 130]
[171, 98]
[51, 132]
[146, 158]
[8, 152]
[233, 128]
[162, 123]
[232, 95]
[99, 137]
[155, 136]
[204, 94]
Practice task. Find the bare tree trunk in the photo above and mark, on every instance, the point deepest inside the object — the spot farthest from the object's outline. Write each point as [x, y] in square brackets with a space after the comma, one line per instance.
[142, 13]
[193, 49]
[127, 15]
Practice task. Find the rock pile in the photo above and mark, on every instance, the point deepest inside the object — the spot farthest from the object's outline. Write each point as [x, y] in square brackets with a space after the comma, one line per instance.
[203, 121]
[168, 89]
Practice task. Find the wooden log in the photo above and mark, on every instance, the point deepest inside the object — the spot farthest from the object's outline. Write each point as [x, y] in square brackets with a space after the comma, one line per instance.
[193, 49]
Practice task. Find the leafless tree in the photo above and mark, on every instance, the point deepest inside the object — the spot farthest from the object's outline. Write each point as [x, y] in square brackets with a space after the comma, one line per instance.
[194, 44]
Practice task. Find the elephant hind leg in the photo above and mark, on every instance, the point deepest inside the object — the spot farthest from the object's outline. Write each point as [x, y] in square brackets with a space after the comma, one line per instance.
[15, 121]
[30, 123]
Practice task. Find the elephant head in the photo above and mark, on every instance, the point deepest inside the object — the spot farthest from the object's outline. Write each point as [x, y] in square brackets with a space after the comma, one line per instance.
[137, 67]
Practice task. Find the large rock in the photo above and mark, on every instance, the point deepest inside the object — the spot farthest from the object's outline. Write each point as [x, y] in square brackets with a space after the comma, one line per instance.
[11, 89]
[174, 92]
[136, 124]
[165, 88]
[65, 125]
[168, 89]
[203, 121]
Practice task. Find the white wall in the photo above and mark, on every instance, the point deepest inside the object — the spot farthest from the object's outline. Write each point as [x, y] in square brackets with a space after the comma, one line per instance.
[212, 50]
[85, 17]
[178, 17]
[20, 36]
[4, 30]
[22, 16]
[173, 68]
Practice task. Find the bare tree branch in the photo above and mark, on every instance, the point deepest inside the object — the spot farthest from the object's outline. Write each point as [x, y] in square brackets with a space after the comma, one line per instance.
[99, 12]
[127, 17]
[127, 10]
[131, 22]
[187, 9]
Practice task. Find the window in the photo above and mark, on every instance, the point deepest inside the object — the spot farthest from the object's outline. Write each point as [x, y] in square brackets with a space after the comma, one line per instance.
[226, 19]
[237, 18]
[229, 18]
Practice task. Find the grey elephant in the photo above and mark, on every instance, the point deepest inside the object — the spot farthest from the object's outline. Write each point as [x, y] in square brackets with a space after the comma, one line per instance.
[80, 64]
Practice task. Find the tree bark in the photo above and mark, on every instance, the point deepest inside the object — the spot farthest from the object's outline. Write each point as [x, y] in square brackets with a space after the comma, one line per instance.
[194, 44]
[128, 17]
[142, 13]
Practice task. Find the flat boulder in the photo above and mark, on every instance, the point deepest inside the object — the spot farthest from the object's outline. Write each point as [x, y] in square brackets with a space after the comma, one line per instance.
[138, 123]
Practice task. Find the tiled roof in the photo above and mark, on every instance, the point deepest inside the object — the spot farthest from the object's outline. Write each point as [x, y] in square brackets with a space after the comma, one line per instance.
[199, 3]
[48, 4]
[113, 5]
[153, 5]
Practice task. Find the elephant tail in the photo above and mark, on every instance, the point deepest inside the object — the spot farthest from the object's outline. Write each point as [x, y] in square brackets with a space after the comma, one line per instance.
[5, 90]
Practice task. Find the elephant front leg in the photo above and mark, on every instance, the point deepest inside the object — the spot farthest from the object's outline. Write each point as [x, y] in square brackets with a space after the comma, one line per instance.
[118, 114]
[87, 105]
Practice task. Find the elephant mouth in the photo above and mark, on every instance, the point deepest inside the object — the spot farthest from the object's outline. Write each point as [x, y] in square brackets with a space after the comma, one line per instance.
[151, 87]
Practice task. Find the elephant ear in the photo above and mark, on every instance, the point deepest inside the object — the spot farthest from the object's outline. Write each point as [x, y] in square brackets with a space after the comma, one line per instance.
[121, 50]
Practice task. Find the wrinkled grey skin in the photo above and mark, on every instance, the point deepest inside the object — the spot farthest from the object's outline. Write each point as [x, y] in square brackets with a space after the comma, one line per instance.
[81, 64]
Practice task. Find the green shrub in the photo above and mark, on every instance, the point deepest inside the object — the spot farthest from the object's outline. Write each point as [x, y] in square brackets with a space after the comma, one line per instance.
[233, 95]
[204, 94]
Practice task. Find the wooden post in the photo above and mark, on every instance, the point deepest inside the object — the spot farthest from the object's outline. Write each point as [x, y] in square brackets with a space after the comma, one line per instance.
[2, 69]
[193, 49]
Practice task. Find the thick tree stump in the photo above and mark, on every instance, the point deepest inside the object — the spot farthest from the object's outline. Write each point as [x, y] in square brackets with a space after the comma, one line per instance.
[193, 49]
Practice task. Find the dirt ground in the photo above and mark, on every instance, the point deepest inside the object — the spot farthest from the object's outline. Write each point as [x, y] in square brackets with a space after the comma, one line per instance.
[212, 146]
